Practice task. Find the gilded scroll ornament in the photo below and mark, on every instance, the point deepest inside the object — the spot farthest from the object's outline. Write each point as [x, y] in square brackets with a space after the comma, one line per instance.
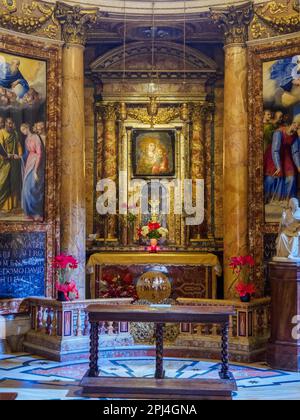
[257, 29]
[28, 22]
[274, 8]
[234, 21]
[164, 115]
[74, 22]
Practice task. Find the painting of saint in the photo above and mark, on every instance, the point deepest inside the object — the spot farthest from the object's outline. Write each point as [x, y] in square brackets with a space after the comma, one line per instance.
[22, 138]
[281, 134]
[153, 153]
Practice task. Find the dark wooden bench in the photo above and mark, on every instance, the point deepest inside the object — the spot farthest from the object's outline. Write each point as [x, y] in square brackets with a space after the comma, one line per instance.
[8, 396]
[158, 387]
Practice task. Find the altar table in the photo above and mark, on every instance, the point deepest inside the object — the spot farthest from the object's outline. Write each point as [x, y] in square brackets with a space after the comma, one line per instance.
[158, 387]
[210, 261]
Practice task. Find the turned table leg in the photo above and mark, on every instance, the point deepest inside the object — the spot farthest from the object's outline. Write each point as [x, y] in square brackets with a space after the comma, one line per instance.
[225, 373]
[94, 348]
[159, 336]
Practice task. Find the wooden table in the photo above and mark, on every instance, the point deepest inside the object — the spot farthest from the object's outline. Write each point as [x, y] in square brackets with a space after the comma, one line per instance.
[159, 387]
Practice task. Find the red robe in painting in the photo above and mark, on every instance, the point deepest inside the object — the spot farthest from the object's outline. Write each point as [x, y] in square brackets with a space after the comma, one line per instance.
[281, 155]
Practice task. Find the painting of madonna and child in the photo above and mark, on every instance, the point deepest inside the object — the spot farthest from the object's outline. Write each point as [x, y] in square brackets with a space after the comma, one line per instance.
[153, 153]
[281, 135]
[22, 138]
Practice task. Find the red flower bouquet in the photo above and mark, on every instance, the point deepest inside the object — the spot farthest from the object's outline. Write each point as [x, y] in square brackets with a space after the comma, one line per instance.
[65, 285]
[244, 290]
[153, 230]
[115, 286]
[241, 267]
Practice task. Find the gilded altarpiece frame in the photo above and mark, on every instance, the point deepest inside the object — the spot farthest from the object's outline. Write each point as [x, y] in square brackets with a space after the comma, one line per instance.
[174, 222]
[51, 54]
[259, 229]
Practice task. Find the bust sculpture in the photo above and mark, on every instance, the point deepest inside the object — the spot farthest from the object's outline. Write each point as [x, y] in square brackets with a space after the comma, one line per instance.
[287, 244]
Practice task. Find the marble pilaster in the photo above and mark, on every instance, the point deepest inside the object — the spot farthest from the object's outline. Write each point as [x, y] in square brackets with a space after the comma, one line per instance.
[197, 158]
[90, 156]
[110, 165]
[234, 20]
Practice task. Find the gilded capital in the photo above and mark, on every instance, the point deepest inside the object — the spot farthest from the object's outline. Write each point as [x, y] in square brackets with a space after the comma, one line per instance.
[200, 112]
[234, 21]
[74, 22]
[109, 112]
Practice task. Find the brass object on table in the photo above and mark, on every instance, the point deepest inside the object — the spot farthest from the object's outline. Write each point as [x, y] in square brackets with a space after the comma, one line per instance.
[154, 286]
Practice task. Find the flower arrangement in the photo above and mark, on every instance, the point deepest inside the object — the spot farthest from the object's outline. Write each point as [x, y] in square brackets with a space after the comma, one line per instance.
[153, 230]
[65, 285]
[115, 286]
[241, 267]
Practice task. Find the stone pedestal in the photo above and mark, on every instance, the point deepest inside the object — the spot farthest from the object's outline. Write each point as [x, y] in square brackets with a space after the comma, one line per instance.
[284, 346]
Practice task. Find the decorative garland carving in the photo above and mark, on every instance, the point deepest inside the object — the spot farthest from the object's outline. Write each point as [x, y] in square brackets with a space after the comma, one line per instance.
[164, 115]
[29, 23]
[234, 21]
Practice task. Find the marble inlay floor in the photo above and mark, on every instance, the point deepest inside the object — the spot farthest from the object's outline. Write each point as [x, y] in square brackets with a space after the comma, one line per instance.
[35, 378]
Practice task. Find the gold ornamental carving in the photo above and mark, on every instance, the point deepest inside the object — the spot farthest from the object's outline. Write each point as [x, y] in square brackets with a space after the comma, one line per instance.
[164, 115]
[74, 22]
[258, 30]
[234, 21]
[33, 18]
[273, 18]
[109, 112]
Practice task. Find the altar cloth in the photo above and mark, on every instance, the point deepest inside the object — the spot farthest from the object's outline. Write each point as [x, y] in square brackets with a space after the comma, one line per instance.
[160, 258]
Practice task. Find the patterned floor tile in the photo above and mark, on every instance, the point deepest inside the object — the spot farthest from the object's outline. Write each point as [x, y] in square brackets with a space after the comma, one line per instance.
[40, 379]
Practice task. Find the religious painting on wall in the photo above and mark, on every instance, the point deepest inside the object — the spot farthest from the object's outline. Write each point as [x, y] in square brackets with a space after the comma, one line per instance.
[23, 95]
[281, 134]
[153, 153]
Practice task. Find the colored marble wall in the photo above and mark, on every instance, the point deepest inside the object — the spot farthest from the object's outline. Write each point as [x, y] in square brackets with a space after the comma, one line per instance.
[89, 156]
[218, 161]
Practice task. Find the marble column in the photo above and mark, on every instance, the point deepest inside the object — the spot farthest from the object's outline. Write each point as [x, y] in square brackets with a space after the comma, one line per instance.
[73, 22]
[110, 165]
[234, 20]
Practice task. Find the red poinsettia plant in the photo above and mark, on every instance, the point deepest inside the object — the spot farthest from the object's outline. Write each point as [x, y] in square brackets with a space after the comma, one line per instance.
[63, 266]
[117, 286]
[241, 267]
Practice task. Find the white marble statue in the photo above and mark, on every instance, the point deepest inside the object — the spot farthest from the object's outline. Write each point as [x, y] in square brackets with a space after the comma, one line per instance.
[288, 243]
